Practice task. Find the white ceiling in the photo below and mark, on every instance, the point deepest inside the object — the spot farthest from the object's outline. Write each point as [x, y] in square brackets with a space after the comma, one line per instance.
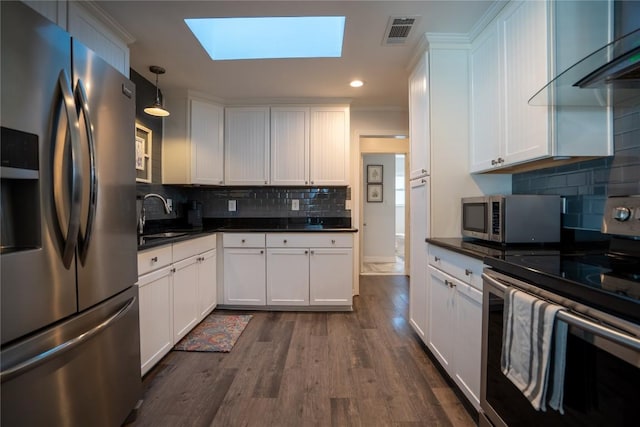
[162, 38]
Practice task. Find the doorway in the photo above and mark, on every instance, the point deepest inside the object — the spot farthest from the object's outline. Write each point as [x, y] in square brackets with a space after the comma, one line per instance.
[383, 205]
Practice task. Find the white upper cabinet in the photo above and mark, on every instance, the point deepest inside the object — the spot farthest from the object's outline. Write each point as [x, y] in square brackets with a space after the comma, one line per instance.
[329, 146]
[523, 35]
[289, 145]
[246, 143]
[192, 150]
[528, 44]
[419, 119]
[484, 67]
[89, 24]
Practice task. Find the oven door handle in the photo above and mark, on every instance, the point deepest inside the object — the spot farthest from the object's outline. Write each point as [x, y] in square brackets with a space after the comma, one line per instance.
[583, 323]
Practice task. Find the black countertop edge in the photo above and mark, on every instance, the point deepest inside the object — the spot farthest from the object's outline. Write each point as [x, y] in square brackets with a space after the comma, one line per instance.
[145, 243]
[481, 250]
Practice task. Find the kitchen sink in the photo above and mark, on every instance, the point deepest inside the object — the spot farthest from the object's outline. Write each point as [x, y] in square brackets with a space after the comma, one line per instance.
[165, 235]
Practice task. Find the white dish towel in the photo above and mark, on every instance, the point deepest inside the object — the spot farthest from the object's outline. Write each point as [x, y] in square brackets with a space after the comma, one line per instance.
[526, 347]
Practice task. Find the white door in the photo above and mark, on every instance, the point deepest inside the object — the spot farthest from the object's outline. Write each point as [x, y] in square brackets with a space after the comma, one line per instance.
[185, 297]
[468, 341]
[442, 327]
[418, 281]
[331, 276]
[289, 146]
[244, 276]
[207, 142]
[246, 145]
[156, 334]
[207, 286]
[419, 119]
[288, 276]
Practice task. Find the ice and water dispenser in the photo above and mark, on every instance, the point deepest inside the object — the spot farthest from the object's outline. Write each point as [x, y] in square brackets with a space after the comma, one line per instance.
[19, 194]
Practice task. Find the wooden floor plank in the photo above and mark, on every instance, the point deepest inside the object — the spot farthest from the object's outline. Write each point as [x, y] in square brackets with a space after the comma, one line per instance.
[365, 367]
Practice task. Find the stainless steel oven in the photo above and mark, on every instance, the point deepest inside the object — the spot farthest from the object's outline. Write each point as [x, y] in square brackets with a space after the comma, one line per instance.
[602, 376]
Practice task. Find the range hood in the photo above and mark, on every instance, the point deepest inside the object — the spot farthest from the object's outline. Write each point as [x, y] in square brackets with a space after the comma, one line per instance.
[609, 76]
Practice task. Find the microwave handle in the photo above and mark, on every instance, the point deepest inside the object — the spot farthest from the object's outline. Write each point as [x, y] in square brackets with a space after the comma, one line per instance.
[582, 323]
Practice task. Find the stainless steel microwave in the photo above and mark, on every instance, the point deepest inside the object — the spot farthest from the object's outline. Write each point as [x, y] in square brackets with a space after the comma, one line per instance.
[516, 218]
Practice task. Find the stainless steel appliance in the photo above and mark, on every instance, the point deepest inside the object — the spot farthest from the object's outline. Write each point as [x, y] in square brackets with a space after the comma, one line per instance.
[69, 311]
[517, 218]
[599, 293]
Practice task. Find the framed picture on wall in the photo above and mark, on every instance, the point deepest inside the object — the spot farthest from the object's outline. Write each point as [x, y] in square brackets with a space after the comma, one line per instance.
[374, 193]
[374, 174]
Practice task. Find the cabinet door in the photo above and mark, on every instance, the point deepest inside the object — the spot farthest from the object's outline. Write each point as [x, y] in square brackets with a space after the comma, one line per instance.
[185, 297]
[419, 222]
[419, 119]
[156, 334]
[207, 154]
[288, 276]
[207, 289]
[244, 276]
[442, 321]
[329, 146]
[468, 341]
[289, 146]
[523, 32]
[246, 144]
[485, 135]
[331, 276]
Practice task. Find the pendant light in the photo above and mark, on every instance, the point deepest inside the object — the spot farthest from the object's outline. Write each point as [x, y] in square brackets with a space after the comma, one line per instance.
[156, 109]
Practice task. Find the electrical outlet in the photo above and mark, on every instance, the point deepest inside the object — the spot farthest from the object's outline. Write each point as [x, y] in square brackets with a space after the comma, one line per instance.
[295, 205]
[170, 205]
[232, 205]
[347, 205]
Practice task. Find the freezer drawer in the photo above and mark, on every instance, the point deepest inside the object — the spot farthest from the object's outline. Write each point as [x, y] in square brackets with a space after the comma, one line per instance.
[94, 382]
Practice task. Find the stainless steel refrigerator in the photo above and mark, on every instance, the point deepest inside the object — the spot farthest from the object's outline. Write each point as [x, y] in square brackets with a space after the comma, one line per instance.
[70, 346]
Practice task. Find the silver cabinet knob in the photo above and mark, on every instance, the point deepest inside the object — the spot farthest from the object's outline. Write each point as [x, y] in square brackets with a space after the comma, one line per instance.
[500, 160]
[284, 241]
[621, 213]
[306, 252]
[333, 242]
[436, 258]
[242, 240]
[467, 272]
[261, 251]
[154, 259]
[493, 162]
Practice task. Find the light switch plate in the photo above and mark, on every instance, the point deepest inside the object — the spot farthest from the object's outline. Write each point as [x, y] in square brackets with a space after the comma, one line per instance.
[295, 204]
[232, 205]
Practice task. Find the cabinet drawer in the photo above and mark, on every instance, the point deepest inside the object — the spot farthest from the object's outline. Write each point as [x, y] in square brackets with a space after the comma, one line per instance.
[309, 240]
[182, 250]
[155, 258]
[462, 267]
[243, 240]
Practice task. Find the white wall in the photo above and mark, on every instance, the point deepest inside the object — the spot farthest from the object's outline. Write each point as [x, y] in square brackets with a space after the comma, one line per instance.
[380, 229]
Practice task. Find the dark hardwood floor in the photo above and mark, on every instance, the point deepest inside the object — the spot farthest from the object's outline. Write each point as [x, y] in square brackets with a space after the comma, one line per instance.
[362, 368]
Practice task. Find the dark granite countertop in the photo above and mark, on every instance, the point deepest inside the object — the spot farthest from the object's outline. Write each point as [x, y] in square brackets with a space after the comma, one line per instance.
[483, 250]
[240, 225]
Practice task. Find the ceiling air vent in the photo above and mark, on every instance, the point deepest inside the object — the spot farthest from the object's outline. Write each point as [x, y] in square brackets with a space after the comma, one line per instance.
[398, 29]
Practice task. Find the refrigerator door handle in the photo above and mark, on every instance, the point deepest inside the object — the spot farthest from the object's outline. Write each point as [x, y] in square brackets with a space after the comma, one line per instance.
[82, 105]
[60, 349]
[68, 229]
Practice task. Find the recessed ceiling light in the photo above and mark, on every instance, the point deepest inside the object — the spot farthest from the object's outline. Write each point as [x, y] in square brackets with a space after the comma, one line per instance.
[356, 83]
[270, 37]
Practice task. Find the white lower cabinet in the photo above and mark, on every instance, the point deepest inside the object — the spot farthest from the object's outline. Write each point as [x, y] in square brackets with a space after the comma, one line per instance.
[301, 269]
[207, 289]
[156, 325]
[244, 269]
[185, 297]
[455, 317]
[177, 290]
[330, 272]
[287, 276]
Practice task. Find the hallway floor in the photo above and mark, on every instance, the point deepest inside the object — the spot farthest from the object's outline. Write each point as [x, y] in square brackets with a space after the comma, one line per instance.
[361, 368]
[387, 268]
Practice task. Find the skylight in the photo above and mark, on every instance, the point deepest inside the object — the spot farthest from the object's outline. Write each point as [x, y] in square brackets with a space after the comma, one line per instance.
[269, 38]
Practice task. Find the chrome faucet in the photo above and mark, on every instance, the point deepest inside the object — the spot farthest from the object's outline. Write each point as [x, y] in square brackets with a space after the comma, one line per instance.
[142, 220]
